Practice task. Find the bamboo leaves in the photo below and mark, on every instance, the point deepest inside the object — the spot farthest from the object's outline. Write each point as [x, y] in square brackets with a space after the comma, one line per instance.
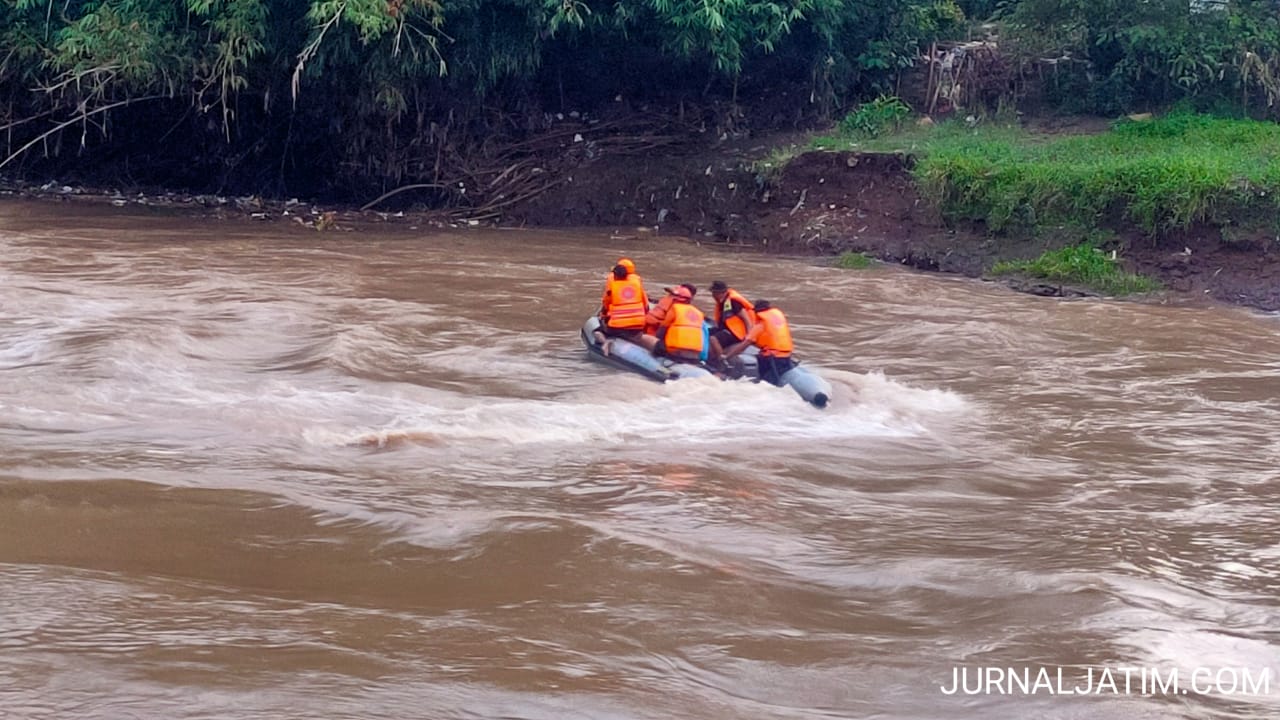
[118, 48]
[237, 27]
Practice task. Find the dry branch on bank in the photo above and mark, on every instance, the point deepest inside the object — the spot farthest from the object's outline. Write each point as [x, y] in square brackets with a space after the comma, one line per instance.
[478, 183]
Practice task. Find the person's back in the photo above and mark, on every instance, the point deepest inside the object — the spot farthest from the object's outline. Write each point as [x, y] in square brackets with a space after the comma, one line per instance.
[659, 310]
[628, 265]
[772, 334]
[682, 332]
[622, 308]
[624, 304]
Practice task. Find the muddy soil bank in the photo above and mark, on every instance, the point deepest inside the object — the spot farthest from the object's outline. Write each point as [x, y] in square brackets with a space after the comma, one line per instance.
[818, 204]
[825, 203]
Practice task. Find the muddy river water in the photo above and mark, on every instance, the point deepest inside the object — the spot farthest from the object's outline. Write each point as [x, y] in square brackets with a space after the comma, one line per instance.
[249, 470]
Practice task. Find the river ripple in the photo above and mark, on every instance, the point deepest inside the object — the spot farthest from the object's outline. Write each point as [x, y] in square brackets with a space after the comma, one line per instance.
[252, 471]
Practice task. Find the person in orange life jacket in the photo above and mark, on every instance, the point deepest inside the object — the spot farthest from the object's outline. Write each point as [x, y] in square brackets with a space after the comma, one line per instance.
[734, 317]
[772, 335]
[624, 262]
[659, 309]
[622, 308]
[681, 334]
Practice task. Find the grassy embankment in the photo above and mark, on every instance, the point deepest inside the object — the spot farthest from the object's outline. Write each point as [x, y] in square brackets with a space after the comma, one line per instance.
[854, 261]
[1156, 176]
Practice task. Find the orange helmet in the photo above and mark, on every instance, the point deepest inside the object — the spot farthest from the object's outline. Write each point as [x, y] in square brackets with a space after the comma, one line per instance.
[626, 263]
[682, 293]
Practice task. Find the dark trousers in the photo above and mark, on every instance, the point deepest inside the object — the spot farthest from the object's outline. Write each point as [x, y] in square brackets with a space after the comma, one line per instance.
[620, 333]
[773, 368]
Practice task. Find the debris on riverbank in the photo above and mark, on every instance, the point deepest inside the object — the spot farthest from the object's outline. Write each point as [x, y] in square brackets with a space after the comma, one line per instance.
[774, 195]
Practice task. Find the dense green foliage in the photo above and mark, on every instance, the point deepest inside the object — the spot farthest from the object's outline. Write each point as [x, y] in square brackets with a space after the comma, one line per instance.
[875, 117]
[352, 97]
[1162, 174]
[1121, 55]
[277, 94]
[1084, 265]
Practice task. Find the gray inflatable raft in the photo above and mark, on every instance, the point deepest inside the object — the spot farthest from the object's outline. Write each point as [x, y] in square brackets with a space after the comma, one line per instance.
[628, 356]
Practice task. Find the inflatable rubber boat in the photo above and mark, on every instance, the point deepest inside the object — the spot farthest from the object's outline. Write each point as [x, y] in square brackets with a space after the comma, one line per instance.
[629, 356]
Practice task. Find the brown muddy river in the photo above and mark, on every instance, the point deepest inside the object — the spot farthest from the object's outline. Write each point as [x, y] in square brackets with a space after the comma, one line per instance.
[252, 471]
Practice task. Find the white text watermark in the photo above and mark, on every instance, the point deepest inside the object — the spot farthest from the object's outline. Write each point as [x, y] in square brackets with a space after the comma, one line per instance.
[1122, 680]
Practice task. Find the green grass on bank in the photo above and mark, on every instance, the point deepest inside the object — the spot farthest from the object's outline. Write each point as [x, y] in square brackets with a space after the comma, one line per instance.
[912, 138]
[1083, 265]
[853, 261]
[1159, 174]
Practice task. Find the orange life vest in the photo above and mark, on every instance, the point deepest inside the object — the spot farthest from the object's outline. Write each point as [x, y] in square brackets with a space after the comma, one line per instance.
[625, 303]
[773, 334]
[684, 328]
[734, 323]
[653, 320]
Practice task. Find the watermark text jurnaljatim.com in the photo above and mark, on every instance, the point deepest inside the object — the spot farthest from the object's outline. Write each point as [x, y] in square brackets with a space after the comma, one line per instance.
[1120, 680]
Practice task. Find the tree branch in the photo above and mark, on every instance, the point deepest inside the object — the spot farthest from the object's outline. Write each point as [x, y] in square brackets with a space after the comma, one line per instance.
[81, 117]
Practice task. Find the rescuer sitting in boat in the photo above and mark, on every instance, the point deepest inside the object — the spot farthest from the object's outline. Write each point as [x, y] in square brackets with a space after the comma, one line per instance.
[772, 335]
[622, 308]
[658, 310]
[733, 320]
[682, 334]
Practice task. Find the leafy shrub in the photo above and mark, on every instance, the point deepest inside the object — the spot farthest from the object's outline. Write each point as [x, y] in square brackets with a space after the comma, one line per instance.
[875, 117]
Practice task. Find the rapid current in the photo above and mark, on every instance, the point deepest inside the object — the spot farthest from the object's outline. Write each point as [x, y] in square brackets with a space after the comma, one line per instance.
[253, 471]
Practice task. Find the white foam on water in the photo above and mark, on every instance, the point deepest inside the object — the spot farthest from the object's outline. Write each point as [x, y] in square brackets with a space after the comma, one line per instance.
[162, 362]
[521, 357]
[690, 412]
[25, 342]
[33, 325]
